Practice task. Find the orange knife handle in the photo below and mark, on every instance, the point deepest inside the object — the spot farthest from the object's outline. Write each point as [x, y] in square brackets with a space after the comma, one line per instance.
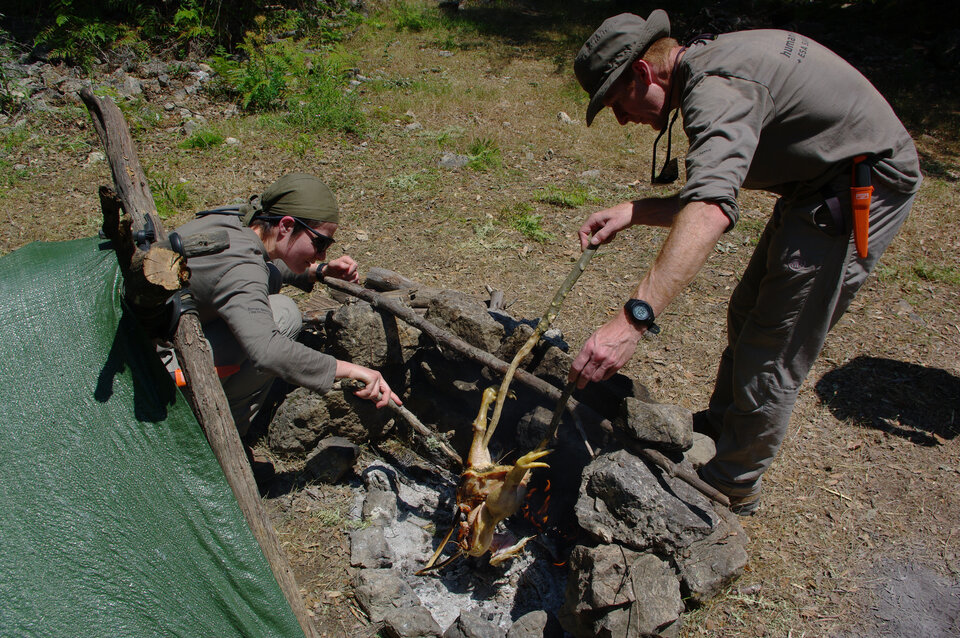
[860, 195]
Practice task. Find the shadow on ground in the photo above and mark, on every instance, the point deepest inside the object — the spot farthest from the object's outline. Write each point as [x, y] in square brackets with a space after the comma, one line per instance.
[912, 401]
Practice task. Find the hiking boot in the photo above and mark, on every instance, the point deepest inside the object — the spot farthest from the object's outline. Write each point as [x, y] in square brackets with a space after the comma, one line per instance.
[739, 505]
[745, 506]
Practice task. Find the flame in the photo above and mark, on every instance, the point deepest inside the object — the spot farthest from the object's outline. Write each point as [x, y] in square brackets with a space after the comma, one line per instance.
[540, 516]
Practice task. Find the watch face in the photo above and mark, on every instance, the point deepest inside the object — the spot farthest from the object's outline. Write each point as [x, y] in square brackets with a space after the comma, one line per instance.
[640, 311]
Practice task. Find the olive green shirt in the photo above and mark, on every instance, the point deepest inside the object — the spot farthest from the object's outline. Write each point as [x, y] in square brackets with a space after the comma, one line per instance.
[235, 285]
[774, 110]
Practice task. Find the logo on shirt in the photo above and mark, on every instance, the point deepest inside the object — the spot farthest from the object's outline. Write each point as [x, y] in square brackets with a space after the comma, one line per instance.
[791, 48]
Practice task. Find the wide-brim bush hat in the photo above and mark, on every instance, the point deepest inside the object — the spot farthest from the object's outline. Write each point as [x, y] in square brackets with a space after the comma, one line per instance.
[611, 49]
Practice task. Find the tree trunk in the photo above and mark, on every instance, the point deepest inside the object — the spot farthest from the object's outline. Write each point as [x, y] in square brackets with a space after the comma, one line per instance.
[203, 389]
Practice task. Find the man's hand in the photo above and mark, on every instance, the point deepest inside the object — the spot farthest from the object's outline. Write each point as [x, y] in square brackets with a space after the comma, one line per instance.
[343, 267]
[375, 389]
[605, 352]
[602, 226]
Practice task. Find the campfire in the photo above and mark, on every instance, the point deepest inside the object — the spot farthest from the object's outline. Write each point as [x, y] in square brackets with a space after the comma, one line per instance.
[605, 542]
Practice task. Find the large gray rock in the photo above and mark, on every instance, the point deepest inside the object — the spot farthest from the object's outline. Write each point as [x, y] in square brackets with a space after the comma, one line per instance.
[669, 427]
[369, 549]
[621, 500]
[536, 624]
[411, 622]
[470, 625]
[382, 593]
[359, 334]
[467, 317]
[616, 592]
[332, 458]
[306, 417]
[710, 564]
[704, 448]
[380, 503]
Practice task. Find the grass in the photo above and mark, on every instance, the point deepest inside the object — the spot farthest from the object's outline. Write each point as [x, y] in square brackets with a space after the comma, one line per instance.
[202, 139]
[569, 197]
[170, 197]
[484, 154]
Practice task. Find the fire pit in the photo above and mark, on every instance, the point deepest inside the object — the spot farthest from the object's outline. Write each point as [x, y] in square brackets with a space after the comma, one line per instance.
[618, 547]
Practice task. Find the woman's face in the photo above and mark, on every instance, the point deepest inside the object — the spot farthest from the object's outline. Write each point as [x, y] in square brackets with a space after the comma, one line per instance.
[297, 246]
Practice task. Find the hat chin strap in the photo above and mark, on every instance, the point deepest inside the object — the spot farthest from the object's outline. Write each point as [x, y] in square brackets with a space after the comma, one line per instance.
[669, 173]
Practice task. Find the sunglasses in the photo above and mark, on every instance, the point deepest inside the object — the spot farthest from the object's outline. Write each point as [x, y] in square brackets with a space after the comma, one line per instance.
[320, 241]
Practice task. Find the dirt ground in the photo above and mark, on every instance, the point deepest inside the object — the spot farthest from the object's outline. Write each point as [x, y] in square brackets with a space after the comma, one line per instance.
[859, 530]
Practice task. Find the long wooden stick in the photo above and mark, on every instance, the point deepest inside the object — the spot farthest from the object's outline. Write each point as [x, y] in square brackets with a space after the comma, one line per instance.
[203, 389]
[552, 311]
[453, 342]
[412, 421]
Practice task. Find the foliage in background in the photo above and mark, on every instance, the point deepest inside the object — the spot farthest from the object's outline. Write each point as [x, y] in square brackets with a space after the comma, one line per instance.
[484, 153]
[169, 197]
[202, 139]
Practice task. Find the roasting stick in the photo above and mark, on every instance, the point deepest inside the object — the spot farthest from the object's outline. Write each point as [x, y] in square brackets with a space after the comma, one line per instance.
[411, 418]
[534, 339]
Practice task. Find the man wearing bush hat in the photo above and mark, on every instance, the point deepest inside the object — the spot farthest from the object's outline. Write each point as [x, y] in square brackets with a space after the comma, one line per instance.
[763, 109]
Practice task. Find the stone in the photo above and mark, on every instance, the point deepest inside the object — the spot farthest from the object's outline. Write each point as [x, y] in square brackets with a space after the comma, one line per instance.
[330, 460]
[306, 417]
[702, 450]
[535, 624]
[411, 622]
[380, 504]
[616, 592]
[453, 160]
[709, 565]
[565, 119]
[368, 548]
[131, 87]
[621, 500]
[669, 427]
[359, 334]
[469, 625]
[467, 317]
[382, 593]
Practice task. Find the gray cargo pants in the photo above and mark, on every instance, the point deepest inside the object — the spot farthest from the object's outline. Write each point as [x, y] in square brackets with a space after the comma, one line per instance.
[799, 282]
[247, 388]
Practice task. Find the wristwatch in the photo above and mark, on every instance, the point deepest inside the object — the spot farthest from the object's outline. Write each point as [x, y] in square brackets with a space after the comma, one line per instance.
[641, 314]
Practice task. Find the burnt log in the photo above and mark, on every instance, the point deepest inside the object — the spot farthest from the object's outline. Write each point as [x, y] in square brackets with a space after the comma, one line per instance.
[203, 389]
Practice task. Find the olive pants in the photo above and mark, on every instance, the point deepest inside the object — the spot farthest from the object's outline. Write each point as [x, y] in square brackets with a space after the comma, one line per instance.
[799, 282]
[246, 388]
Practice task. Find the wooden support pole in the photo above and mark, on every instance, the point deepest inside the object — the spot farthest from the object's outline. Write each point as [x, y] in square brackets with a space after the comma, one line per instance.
[203, 389]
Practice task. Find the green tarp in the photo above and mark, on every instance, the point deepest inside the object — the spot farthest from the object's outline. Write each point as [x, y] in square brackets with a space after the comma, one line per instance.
[115, 518]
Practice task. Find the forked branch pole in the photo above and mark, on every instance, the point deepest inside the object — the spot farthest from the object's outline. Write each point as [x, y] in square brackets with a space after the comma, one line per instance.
[203, 389]
[552, 311]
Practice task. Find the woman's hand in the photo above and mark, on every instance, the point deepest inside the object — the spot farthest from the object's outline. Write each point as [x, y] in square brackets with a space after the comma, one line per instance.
[375, 387]
[343, 267]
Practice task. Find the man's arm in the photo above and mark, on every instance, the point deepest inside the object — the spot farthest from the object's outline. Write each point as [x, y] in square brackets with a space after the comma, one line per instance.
[694, 233]
[602, 226]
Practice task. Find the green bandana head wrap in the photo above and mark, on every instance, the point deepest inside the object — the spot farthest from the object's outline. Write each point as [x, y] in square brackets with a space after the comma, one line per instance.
[302, 196]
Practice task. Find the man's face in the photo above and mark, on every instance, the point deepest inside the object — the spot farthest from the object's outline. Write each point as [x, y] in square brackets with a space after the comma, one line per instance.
[634, 100]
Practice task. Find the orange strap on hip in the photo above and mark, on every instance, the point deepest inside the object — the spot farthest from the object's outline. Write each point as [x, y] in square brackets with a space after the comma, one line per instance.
[860, 194]
[222, 371]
